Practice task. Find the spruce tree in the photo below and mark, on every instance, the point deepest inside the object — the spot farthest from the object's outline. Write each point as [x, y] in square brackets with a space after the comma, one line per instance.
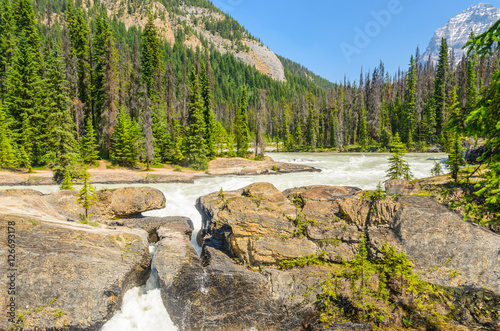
[8, 43]
[440, 87]
[178, 141]
[242, 125]
[151, 55]
[147, 130]
[398, 167]
[67, 184]
[78, 32]
[208, 115]
[89, 149]
[60, 144]
[195, 149]
[124, 146]
[24, 17]
[103, 80]
[87, 196]
[24, 102]
[455, 158]
[471, 81]
[7, 153]
[410, 103]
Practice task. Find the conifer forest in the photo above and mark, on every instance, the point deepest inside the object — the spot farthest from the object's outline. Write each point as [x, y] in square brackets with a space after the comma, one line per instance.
[77, 86]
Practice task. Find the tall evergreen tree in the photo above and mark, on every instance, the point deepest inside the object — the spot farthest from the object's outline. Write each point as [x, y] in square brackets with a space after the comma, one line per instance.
[241, 129]
[103, 79]
[150, 55]
[208, 115]
[124, 146]
[7, 154]
[60, 145]
[79, 37]
[8, 43]
[26, 26]
[24, 102]
[410, 102]
[89, 149]
[147, 129]
[440, 87]
[195, 150]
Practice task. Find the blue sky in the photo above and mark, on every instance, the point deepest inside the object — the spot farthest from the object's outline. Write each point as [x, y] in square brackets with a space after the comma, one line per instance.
[321, 34]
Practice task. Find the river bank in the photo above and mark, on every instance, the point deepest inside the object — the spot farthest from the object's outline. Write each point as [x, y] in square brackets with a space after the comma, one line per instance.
[104, 174]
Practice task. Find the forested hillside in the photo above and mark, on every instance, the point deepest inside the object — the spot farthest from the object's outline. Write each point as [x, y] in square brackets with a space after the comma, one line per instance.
[76, 84]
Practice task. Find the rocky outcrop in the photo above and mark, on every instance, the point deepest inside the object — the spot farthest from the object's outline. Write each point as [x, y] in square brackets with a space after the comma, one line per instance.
[61, 205]
[70, 276]
[260, 226]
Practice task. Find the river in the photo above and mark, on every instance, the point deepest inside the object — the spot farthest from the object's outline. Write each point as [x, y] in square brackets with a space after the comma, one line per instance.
[142, 308]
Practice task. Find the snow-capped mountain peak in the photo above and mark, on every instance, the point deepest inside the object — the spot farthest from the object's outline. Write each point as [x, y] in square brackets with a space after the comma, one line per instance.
[477, 18]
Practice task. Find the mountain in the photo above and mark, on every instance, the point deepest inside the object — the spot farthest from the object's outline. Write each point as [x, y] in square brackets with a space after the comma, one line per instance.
[477, 18]
[199, 19]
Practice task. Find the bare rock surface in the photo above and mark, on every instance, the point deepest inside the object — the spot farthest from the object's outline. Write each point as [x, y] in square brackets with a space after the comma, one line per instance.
[70, 276]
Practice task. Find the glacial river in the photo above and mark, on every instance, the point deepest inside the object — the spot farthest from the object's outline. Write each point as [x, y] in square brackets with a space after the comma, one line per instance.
[142, 308]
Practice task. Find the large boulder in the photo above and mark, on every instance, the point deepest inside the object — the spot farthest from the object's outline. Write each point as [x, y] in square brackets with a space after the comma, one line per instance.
[70, 276]
[130, 201]
[254, 224]
[447, 250]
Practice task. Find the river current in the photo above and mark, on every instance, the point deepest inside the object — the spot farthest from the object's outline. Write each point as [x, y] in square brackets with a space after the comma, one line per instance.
[142, 307]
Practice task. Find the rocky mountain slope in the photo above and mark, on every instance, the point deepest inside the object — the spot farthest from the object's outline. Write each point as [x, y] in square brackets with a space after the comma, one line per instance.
[196, 20]
[477, 18]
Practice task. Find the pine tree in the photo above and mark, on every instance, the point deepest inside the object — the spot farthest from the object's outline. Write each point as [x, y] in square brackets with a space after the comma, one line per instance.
[124, 146]
[7, 154]
[398, 167]
[87, 195]
[60, 145]
[89, 149]
[242, 125]
[195, 149]
[208, 115]
[67, 184]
